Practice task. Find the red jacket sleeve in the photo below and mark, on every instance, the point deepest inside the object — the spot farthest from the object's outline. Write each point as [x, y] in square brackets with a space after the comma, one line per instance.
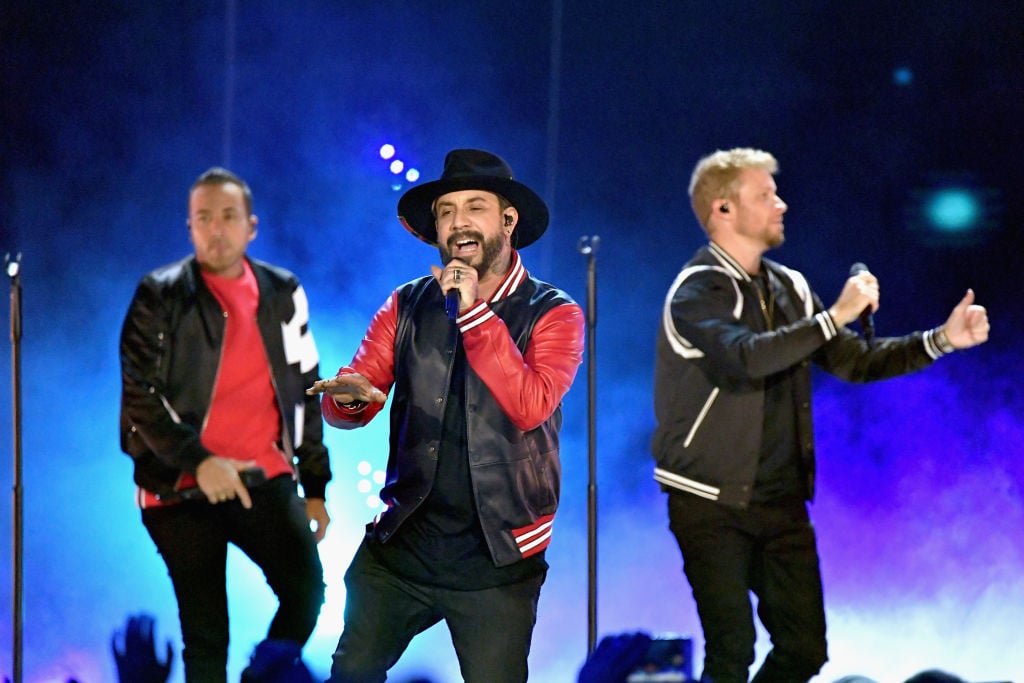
[374, 360]
[528, 386]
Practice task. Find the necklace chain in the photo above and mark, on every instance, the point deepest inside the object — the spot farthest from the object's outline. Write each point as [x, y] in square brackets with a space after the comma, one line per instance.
[767, 307]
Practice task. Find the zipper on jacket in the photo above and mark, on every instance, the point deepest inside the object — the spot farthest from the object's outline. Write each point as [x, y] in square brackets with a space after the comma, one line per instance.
[287, 449]
[216, 375]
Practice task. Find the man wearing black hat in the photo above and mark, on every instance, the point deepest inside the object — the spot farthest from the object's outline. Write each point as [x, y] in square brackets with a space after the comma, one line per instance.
[478, 355]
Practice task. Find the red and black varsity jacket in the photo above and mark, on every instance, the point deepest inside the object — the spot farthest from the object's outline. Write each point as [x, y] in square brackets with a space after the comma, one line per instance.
[523, 348]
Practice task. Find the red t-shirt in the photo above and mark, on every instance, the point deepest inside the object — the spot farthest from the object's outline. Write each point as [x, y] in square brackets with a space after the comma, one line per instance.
[243, 421]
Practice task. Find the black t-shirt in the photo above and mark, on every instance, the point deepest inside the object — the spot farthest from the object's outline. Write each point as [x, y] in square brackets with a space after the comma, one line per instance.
[442, 542]
[779, 473]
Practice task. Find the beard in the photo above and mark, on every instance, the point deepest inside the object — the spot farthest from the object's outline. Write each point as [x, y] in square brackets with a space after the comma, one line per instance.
[490, 250]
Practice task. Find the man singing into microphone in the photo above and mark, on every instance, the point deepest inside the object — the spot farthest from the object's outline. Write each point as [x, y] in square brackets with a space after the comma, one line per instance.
[734, 444]
[473, 471]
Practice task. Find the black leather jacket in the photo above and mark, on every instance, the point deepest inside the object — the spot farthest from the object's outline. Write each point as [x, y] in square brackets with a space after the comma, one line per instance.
[170, 352]
[714, 354]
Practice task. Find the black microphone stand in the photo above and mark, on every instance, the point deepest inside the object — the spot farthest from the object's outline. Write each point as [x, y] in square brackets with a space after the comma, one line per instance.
[588, 247]
[13, 268]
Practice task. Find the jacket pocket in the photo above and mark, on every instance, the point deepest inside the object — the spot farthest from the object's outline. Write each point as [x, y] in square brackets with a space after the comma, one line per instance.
[705, 409]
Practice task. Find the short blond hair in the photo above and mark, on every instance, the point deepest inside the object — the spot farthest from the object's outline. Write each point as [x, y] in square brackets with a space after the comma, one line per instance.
[716, 175]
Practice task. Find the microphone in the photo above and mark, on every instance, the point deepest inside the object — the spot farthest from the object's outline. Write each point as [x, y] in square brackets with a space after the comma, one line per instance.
[451, 303]
[252, 476]
[451, 297]
[867, 320]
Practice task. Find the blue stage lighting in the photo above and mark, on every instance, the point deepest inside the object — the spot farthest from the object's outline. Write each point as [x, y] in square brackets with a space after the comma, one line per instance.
[953, 209]
[902, 76]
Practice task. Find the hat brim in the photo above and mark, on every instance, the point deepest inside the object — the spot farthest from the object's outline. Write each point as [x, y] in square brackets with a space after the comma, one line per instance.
[415, 208]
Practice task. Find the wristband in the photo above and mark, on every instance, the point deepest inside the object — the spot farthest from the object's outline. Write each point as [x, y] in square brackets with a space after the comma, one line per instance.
[942, 341]
[351, 405]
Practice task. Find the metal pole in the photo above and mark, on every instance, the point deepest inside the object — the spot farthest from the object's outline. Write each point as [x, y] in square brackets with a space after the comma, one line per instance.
[588, 247]
[13, 268]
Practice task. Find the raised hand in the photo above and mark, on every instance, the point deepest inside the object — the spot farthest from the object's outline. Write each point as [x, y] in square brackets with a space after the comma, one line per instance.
[135, 652]
[348, 387]
[967, 325]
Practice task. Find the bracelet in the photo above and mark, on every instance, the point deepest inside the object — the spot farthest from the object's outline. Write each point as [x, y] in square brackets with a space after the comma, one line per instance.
[942, 341]
[352, 405]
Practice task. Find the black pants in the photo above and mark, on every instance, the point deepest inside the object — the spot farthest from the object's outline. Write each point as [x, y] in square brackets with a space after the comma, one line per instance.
[193, 537]
[769, 550]
[491, 628]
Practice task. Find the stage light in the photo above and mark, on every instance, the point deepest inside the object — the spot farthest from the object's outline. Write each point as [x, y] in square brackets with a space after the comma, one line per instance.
[370, 480]
[398, 167]
[902, 76]
[954, 210]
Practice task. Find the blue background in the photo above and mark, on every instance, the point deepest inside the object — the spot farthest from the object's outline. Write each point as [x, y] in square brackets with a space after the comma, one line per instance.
[111, 109]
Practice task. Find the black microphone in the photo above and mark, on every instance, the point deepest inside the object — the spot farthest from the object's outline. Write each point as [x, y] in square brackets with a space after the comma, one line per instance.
[252, 476]
[451, 303]
[867, 320]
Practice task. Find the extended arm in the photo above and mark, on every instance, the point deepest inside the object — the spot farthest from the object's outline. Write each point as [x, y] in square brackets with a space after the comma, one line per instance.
[362, 386]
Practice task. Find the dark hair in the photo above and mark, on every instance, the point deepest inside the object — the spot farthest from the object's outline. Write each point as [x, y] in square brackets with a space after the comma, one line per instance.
[934, 676]
[219, 176]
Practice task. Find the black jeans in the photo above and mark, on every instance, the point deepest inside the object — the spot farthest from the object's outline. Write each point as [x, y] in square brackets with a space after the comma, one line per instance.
[193, 537]
[769, 550]
[491, 629]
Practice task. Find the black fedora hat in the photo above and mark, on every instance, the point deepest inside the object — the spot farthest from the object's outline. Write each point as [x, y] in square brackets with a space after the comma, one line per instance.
[473, 169]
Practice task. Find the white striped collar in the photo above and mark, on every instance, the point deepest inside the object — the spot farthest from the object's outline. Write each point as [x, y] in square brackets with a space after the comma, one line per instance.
[729, 262]
[513, 278]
